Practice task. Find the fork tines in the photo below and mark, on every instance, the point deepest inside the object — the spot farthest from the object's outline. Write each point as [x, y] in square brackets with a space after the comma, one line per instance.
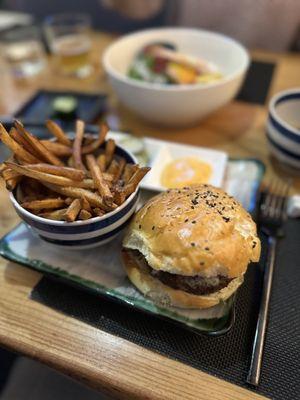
[274, 199]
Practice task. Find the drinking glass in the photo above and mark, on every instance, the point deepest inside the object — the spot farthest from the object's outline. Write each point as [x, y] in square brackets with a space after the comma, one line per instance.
[23, 51]
[68, 36]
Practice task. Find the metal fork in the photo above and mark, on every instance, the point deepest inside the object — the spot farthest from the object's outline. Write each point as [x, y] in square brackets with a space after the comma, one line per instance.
[271, 217]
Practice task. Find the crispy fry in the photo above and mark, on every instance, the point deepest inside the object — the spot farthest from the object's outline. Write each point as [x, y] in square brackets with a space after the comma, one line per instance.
[109, 151]
[44, 177]
[23, 142]
[91, 147]
[71, 173]
[41, 149]
[84, 214]
[139, 175]
[101, 161]
[73, 210]
[45, 203]
[98, 179]
[57, 215]
[70, 162]
[119, 196]
[116, 168]
[93, 198]
[12, 183]
[8, 173]
[122, 193]
[68, 200]
[98, 212]
[77, 145]
[56, 130]
[57, 149]
[129, 170]
[85, 205]
[15, 147]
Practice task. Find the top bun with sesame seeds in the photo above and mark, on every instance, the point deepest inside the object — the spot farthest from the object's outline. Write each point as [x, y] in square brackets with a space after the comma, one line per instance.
[192, 244]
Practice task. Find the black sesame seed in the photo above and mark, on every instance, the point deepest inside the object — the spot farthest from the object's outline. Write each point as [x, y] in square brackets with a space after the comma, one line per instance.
[226, 219]
[193, 244]
[186, 220]
[153, 227]
[193, 222]
[202, 263]
[206, 248]
[254, 244]
[140, 226]
[192, 207]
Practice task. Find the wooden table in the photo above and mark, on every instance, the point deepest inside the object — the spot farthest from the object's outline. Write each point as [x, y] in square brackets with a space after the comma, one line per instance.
[96, 358]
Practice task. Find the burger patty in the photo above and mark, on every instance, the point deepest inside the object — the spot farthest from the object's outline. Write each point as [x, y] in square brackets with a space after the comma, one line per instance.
[191, 284]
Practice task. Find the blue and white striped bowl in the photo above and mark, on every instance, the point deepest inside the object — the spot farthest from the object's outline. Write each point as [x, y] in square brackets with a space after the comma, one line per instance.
[283, 127]
[82, 234]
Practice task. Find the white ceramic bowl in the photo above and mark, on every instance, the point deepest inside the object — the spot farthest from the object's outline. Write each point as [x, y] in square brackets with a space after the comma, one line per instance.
[283, 127]
[176, 105]
[82, 234]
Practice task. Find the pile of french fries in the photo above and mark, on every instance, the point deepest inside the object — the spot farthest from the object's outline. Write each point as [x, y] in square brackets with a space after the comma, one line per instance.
[67, 179]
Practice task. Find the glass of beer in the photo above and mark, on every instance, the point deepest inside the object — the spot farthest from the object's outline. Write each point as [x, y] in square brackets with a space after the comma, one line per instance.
[68, 36]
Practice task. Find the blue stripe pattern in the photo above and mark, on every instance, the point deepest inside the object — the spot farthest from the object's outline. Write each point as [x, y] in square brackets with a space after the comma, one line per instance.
[284, 131]
[282, 149]
[85, 242]
[91, 227]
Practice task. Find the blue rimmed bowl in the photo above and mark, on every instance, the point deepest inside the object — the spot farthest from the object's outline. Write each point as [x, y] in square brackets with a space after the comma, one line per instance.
[83, 234]
[283, 127]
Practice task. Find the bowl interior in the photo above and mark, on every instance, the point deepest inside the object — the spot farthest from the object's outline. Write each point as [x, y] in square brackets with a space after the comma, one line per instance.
[228, 55]
[287, 109]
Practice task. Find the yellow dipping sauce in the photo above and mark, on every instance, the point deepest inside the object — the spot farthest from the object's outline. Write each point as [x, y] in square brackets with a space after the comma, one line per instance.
[185, 172]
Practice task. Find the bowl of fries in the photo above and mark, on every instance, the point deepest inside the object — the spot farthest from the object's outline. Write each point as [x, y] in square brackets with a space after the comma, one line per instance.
[73, 192]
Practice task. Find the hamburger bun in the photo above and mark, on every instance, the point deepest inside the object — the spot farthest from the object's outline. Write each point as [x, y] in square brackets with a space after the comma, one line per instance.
[191, 235]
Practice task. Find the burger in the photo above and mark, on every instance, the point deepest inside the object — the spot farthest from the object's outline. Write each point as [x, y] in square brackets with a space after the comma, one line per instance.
[190, 247]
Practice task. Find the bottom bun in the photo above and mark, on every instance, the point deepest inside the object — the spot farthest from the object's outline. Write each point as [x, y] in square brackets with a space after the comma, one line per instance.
[165, 295]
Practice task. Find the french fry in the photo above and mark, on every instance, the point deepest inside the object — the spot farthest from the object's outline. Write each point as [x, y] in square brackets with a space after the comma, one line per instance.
[139, 175]
[45, 203]
[98, 212]
[101, 161]
[84, 215]
[122, 193]
[23, 142]
[44, 152]
[77, 145]
[70, 162]
[12, 183]
[98, 179]
[72, 173]
[18, 150]
[55, 182]
[58, 215]
[9, 173]
[116, 168]
[91, 147]
[85, 205]
[57, 149]
[129, 170]
[44, 177]
[73, 210]
[93, 198]
[109, 151]
[56, 130]
[119, 196]
[68, 200]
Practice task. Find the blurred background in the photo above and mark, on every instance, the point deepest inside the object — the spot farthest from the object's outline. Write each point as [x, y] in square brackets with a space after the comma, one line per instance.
[32, 30]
